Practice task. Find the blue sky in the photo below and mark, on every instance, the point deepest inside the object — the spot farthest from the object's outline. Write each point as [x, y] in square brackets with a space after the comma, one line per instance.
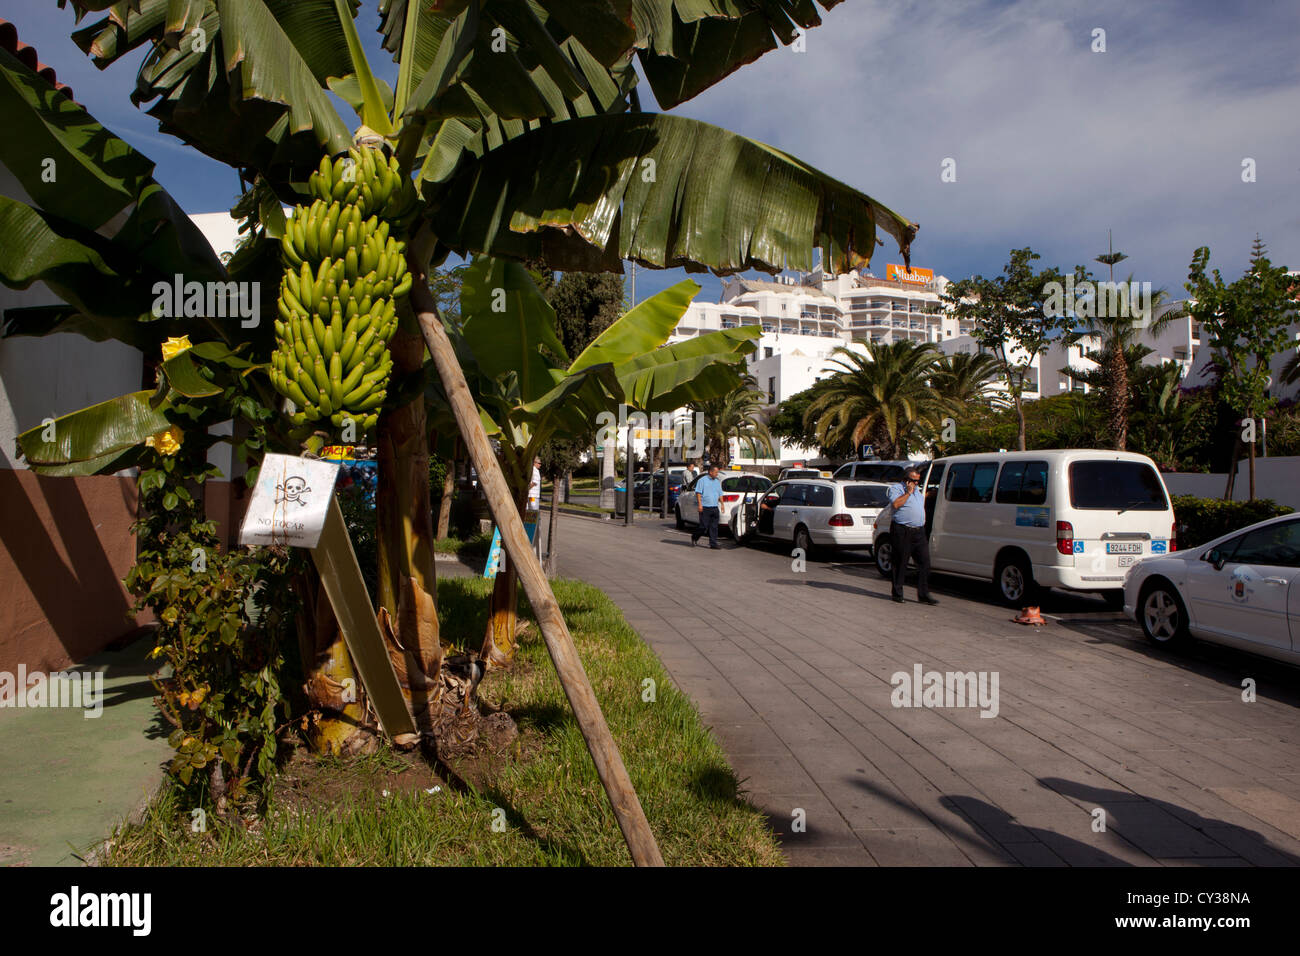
[1053, 143]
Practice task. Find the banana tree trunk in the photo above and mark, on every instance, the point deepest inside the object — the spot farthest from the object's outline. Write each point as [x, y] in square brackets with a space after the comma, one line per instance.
[499, 640]
[335, 696]
[404, 526]
[559, 643]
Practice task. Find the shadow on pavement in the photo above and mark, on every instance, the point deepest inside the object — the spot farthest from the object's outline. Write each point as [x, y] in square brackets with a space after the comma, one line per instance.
[1115, 802]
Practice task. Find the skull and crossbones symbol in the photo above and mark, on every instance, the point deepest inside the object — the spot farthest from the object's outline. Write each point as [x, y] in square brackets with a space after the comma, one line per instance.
[293, 489]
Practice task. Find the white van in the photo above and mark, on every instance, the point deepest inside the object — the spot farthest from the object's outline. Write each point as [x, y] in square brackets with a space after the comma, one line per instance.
[1074, 518]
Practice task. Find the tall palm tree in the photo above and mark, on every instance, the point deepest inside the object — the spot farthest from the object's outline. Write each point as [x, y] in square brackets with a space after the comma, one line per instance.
[884, 397]
[1115, 335]
[737, 414]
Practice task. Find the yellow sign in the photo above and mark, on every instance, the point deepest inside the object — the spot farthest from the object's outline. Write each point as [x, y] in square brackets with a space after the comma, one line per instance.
[654, 434]
[337, 452]
[912, 277]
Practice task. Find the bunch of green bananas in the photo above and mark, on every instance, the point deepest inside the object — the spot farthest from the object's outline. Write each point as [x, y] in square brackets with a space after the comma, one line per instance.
[343, 273]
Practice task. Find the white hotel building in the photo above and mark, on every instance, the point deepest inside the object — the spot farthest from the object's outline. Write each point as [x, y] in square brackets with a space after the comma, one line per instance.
[805, 318]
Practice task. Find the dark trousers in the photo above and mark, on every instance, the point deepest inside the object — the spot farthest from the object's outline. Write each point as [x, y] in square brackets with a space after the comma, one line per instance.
[911, 543]
[708, 525]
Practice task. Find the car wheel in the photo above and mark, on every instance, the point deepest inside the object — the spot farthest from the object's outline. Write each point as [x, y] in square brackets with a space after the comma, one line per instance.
[1162, 614]
[681, 525]
[885, 557]
[804, 541]
[1014, 581]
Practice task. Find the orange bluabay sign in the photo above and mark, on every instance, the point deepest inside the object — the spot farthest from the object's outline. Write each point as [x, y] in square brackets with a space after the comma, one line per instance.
[912, 277]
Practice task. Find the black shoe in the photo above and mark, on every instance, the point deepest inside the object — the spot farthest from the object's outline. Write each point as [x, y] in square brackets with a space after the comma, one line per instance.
[715, 547]
[898, 599]
[927, 600]
[694, 542]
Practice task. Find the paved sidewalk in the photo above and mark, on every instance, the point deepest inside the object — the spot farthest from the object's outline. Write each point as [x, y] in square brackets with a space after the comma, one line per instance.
[66, 780]
[793, 672]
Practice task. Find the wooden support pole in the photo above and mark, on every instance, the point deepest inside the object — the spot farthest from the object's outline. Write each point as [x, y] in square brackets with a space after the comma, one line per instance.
[559, 643]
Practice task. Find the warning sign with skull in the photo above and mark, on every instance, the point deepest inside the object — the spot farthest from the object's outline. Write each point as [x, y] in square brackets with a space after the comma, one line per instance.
[289, 502]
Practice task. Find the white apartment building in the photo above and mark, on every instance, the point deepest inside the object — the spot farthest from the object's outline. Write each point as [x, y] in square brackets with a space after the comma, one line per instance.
[804, 318]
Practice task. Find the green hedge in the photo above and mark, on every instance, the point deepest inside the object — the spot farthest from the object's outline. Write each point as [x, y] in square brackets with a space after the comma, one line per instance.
[1204, 519]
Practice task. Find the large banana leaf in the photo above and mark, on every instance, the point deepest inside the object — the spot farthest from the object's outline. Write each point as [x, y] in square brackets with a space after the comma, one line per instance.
[688, 371]
[640, 330]
[507, 322]
[685, 46]
[664, 190]
[75, 169]
[242, 80]
[86, 441]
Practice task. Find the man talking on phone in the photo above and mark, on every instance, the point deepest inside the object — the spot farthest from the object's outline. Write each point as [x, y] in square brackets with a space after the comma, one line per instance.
[908, 532]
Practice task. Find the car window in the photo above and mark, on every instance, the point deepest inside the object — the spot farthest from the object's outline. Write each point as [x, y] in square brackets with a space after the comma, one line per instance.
[1023, 483]
[865, 496]
[1276, 544]
[934, 479]
[792, 493]
[1116, 485]
[958, 487]
[734, 483]
[844, 471]
[757, 483]
[819, 496]
[972, 481]
[1013, 472]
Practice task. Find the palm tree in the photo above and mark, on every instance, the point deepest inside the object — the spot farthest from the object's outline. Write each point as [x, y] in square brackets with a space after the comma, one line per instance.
[966, 380]
[737, 414]
[883, 396]
[1115, 335]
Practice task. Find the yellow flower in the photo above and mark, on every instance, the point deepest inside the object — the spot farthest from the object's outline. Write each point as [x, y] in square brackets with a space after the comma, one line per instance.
[166, 442]
[175, 346]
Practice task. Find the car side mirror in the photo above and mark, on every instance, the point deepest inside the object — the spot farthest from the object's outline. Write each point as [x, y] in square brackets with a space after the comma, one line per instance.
[1216, 558]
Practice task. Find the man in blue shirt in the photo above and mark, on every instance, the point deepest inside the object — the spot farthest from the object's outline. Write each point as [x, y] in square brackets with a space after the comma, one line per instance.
[708, 496]
[907, 529]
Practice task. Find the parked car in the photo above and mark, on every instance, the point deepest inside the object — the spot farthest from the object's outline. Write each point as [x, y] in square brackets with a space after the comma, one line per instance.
[649, 493]
[815, 514]
[1242, 589]
[1076, 519]
[735, 486]
[790, 473]
[640, 484]
[875, 470]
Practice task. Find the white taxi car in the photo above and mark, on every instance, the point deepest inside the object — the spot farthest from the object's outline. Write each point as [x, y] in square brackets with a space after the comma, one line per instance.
[735, 485]
[1242, 589]
[816, 513]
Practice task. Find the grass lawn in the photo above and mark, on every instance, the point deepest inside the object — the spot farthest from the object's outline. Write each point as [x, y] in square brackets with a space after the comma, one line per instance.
[473, 547]
[543, 794]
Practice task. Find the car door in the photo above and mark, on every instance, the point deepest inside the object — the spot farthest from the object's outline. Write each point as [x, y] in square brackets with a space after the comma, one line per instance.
[687, 503]
[787, 511]
[767, 509]
[1249, 599]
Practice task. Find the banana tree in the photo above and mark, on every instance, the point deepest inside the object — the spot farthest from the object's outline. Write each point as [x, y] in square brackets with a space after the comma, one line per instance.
[528, 393]
[522, 128]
